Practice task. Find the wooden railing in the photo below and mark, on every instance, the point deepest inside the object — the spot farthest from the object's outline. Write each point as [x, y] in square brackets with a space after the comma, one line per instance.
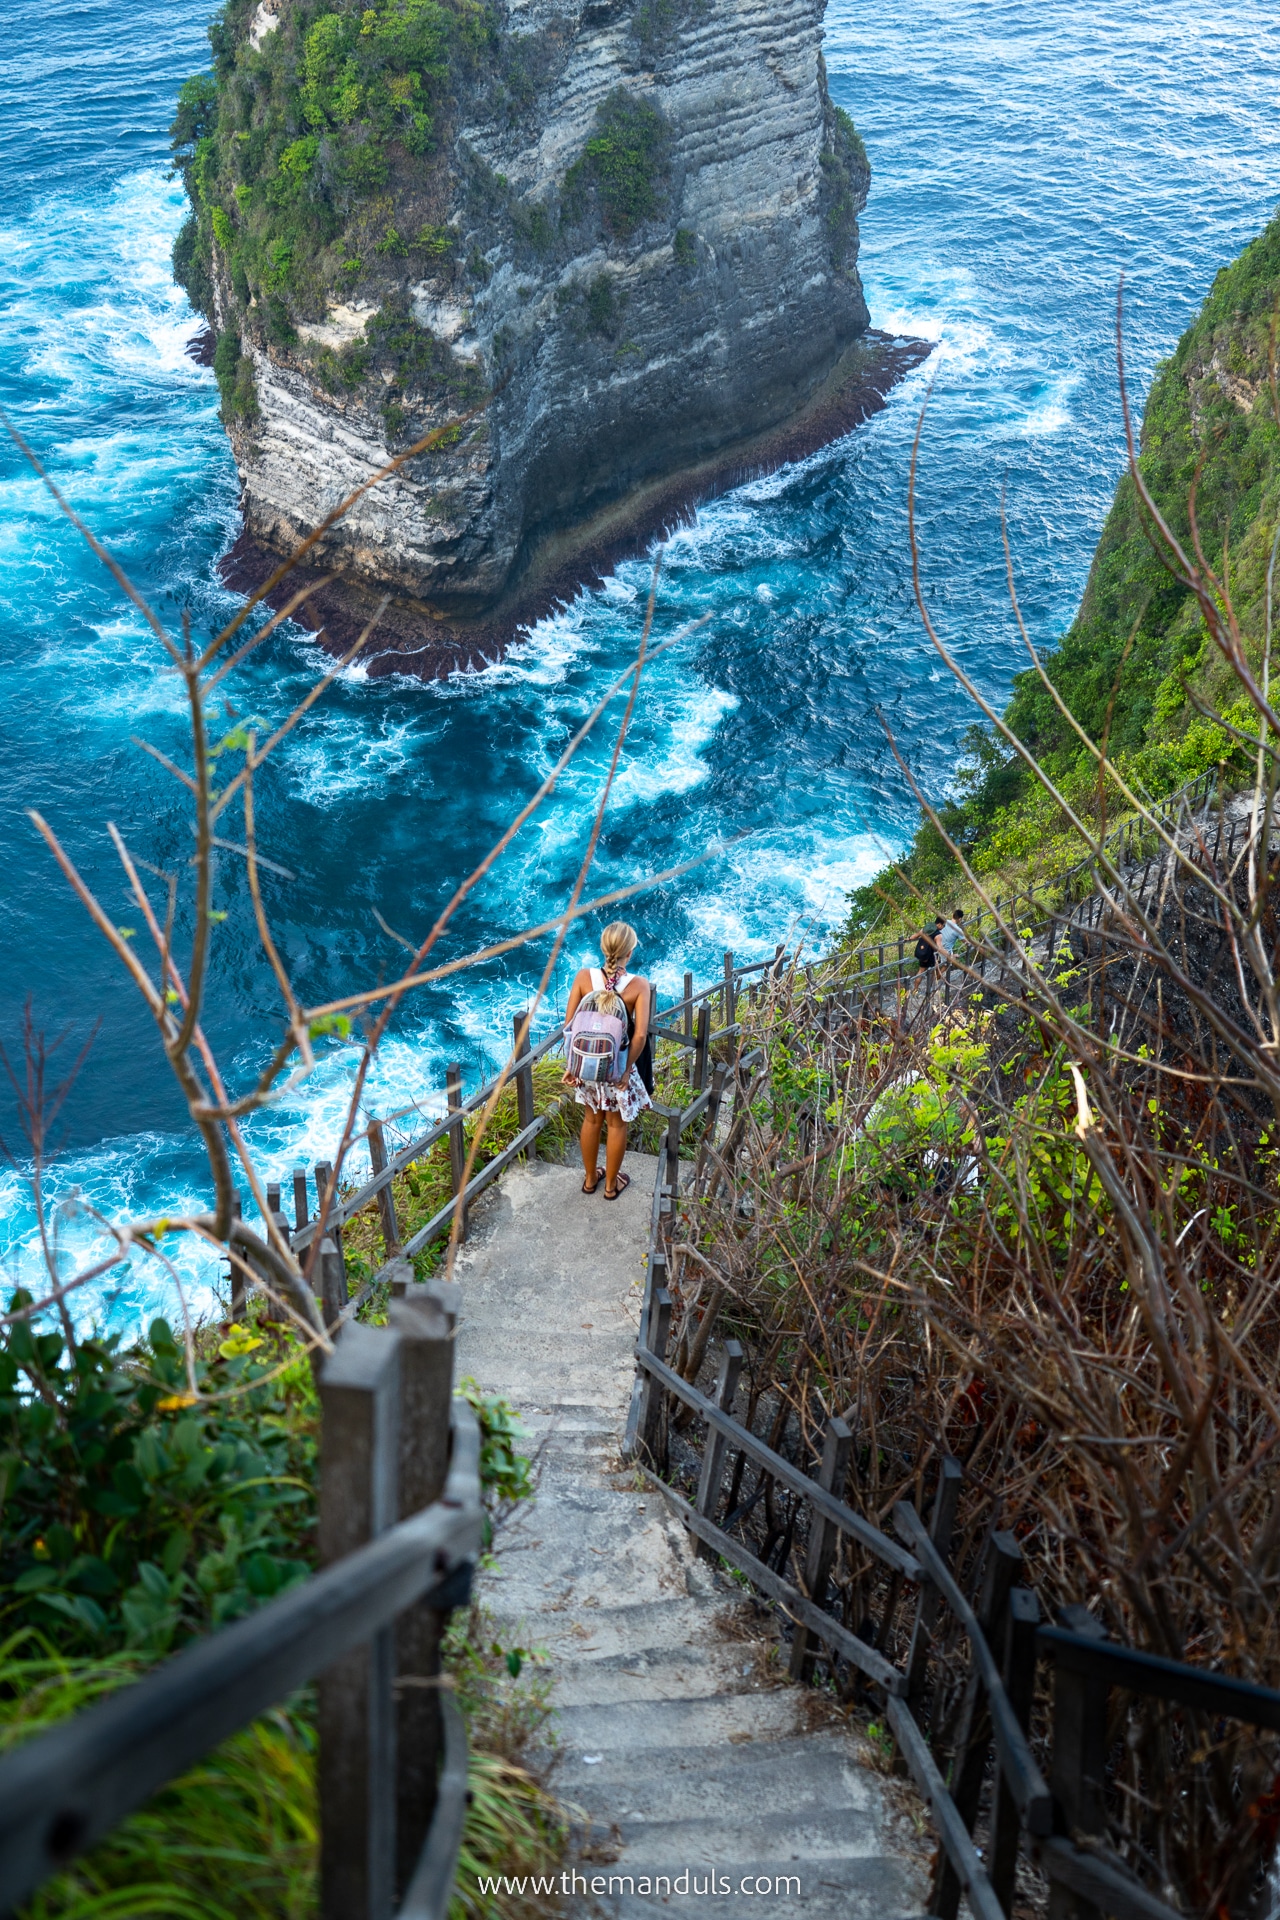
[400, 1527]
[1057, 1822]
[877, 969]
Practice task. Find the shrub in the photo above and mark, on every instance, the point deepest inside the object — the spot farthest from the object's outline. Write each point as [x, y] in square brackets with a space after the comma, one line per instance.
[624, 163]
[132, 1516]
[236, 384]
[192, 264]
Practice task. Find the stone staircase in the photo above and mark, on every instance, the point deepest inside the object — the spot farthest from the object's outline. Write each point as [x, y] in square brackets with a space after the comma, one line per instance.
[699, 1772]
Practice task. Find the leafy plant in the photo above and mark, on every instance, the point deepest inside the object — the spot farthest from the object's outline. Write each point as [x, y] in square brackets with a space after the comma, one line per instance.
[624, 164]
[133, 1515]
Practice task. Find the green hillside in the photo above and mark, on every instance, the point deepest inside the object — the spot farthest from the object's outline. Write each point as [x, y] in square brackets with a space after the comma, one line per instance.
[1137, 658]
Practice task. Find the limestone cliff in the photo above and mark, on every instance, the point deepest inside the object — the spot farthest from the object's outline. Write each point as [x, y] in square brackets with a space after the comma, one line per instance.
[615, 239]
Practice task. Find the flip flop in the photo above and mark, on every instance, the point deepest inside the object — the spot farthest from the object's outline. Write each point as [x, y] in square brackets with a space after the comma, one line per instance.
[591, 1189]
[624, 1181]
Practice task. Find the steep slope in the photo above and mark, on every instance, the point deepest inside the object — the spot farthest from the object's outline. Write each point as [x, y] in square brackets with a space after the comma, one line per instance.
[1137, 665]
[614, 241]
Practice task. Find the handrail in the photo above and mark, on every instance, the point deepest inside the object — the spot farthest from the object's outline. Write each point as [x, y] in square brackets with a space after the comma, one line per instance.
[1025, 1780]
[1163, 810]
[1120, 1666]
[65, 1789]
[343, 1210]
[427, 1896]
[825, 1625]
[742, 1437]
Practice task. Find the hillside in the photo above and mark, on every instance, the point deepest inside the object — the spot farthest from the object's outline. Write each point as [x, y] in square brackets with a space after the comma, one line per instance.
[1136, 667]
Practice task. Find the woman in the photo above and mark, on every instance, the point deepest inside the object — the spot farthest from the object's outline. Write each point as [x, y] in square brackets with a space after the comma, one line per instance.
[618, 1103]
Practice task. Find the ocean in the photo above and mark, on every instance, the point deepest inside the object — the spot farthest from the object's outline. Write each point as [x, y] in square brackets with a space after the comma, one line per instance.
[1024, 156]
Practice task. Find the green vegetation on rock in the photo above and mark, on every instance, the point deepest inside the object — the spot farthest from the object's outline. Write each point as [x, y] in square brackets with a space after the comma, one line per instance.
[846, 175]
[311, 163]
[1136, 668]
[623, 166]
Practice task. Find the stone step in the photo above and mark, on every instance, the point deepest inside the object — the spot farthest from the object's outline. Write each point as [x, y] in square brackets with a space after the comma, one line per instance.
[809, 1772]
[653, 1727]
[591, 1678]
[641, 1628]
[886, 1896]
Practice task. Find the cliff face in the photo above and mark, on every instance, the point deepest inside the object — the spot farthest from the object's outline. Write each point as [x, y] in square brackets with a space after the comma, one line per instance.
[616, 240]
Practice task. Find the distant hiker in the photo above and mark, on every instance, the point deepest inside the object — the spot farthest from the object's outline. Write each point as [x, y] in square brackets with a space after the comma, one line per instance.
[952, 933]
[611, 1070]
[927, 944]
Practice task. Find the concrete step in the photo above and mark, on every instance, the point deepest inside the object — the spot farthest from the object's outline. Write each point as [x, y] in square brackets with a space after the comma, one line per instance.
[673, 1738]
[653, 1727]
[590, 1678]
[808, 1773]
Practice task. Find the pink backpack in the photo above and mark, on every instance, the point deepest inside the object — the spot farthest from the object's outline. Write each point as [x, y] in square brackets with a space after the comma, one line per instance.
[596, 1044]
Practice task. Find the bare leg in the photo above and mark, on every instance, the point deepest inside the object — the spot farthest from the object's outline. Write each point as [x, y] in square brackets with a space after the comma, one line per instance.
[591, 1144]
[615, 1147]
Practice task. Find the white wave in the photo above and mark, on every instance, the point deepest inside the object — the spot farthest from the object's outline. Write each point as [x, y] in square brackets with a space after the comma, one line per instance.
[339, 756]
[558, 643]
[674, 763]
[130, 320]
[1053, 413]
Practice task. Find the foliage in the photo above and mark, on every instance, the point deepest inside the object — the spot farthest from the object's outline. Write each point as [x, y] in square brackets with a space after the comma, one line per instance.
[623, 166]
[504, 1473]
[514, 1826]
[234, 371]
[134, 1515]
[846, 178]
[290, 153]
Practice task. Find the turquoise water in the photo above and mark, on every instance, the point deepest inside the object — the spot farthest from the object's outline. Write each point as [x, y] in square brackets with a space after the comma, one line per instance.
[1023, 155]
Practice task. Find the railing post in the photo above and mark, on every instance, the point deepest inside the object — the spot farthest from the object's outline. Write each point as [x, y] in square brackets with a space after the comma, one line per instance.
[713, 1458]
[1019, 1669]
[671, 1168]
[268, 1309]
[702, 1048]
[521, 1027]
[688, 1027]
[657, 1335]
[457, 1140]
[1079, 1756]
[386, 1199]
[426, 1390]
[824, 1537]
[941, 1527]
[719, 1074]
[299, 1197]
[729, 1011]
[655, 1279]
[359, 1462]
[1002, 1565]
[235, 1274]
[332, 1294]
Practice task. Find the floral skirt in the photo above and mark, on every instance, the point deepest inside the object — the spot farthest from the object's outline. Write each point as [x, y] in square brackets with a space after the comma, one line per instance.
[627, 1097]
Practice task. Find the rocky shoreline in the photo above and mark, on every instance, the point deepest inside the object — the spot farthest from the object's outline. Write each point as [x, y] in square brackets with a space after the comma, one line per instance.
[412, 638]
